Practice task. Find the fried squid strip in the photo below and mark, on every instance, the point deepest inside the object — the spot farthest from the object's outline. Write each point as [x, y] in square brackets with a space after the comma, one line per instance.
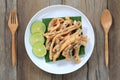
[66, 52]
[54, 39]
[76, 53]
[54, 24]
[69, 40]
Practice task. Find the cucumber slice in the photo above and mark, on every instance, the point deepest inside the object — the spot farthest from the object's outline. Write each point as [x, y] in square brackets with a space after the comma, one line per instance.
[39, 49]
[36, 37]
[38, 26]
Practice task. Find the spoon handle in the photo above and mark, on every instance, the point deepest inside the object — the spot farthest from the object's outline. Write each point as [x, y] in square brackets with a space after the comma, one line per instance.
[106, 49]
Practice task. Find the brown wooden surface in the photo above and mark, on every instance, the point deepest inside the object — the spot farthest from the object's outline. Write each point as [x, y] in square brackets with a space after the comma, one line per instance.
[94, 69]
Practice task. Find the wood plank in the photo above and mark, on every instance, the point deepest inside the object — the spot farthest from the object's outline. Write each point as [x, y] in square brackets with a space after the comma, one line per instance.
[95, 68]
[93, 72]
[2, 42]
[55, 2]
[80, 74]
[26, 70]
[7, 70]
[114, 40]
[77, 75]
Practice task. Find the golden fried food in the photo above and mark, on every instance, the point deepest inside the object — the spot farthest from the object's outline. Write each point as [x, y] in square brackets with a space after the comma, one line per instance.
[65, 37]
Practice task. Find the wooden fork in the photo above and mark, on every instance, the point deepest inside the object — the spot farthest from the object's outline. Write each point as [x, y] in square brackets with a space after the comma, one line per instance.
[13, 25]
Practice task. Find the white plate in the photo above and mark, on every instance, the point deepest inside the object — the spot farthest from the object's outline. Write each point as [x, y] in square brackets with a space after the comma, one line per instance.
[63, 66]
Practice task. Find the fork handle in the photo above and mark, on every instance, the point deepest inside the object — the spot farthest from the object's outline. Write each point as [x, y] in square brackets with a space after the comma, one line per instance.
[13, 50]
[106, 50]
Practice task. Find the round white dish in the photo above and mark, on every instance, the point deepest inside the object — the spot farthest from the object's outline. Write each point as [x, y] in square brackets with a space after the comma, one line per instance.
[62, 66]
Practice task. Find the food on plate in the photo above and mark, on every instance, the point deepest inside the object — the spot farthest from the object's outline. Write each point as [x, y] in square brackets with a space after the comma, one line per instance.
[38, 26]
[64, 37]
[39, 49]
[37, 39]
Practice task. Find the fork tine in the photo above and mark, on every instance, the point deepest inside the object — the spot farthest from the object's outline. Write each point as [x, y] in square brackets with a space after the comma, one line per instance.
[16, 19]
[13, 17]
[9, 20]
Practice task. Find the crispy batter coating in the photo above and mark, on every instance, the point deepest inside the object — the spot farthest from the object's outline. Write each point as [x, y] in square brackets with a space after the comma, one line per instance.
[64, 36]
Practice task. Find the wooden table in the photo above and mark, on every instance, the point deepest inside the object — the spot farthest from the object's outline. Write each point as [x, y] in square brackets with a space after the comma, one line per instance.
[94, 69]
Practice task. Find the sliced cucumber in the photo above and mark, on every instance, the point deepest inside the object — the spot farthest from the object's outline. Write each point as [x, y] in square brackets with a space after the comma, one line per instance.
[36, 37]
[39, 49]
[38, 26]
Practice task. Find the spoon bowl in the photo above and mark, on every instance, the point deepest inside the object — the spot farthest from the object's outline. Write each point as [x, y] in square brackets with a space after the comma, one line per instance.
[106, 20]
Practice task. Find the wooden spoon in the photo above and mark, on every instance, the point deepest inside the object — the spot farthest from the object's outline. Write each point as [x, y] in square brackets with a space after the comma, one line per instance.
[106, 21]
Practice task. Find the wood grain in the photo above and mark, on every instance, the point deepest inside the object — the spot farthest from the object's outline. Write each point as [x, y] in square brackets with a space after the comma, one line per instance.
[80, 5]
[2, 42]
[114, 40]
[7, 70]
[55, 2]
[102, 72]
[94, 69]
[96, 63]
[26, 70]
[89, 71]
